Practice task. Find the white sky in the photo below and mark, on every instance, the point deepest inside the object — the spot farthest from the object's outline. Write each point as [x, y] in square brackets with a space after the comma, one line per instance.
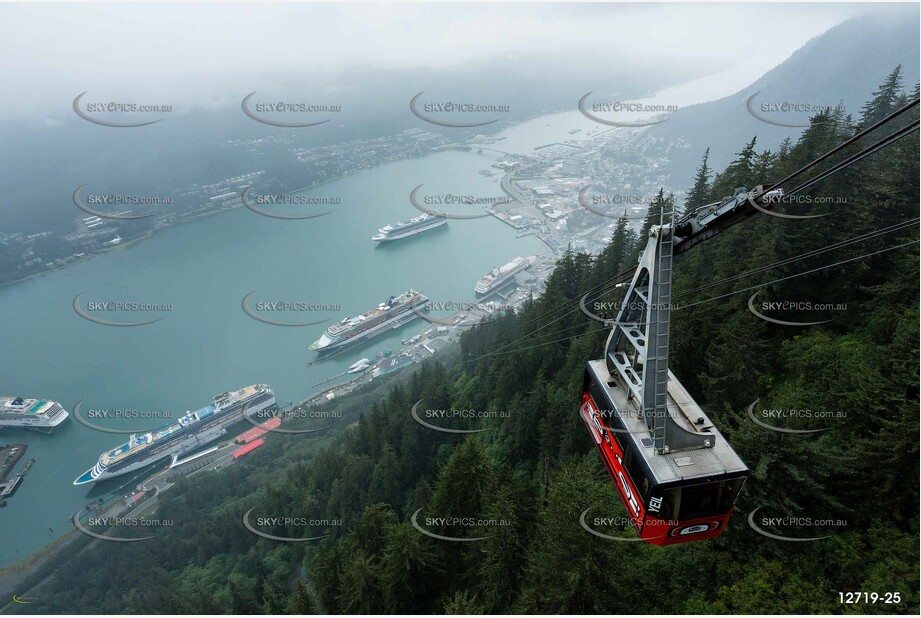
[192, 54]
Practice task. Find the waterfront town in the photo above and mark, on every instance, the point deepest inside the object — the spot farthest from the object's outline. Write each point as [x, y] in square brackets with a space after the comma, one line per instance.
[541, 188]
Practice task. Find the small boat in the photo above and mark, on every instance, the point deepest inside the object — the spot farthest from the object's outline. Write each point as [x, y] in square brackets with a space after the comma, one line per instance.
[360, 366]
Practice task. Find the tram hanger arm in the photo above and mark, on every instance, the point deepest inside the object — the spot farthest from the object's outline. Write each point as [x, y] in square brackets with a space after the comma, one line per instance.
[708, 221]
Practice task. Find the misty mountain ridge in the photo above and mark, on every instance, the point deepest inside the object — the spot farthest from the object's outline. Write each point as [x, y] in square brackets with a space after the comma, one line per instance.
[842, 66]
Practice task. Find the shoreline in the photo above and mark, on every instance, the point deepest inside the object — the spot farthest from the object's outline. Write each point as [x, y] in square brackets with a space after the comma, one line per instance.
[14, 574]
[89, 256]
[196, 217]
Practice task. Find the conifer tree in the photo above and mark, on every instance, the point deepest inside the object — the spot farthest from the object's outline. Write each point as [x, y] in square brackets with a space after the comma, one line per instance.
[884, 100]
[699, 194]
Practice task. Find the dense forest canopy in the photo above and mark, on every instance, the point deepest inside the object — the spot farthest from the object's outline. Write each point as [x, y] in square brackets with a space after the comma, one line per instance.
[526, 480]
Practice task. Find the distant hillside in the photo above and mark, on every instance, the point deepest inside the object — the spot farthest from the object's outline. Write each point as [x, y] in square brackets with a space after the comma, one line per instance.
[847, 64]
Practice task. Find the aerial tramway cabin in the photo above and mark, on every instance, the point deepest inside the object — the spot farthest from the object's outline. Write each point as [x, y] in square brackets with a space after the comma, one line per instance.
[674, 497]
[675, 473]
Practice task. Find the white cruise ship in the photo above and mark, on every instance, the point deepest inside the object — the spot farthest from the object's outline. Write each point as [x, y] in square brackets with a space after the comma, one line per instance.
[393, 313]
[498, 277]
[32, 413]
[190, 432]
[410, 228]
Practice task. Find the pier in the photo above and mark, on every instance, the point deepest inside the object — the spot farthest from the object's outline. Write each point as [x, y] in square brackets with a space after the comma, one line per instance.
[9, 457]
[331, 379]
[7, 489]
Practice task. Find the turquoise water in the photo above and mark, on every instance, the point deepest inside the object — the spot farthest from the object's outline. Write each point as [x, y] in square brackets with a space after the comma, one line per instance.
[206, 344]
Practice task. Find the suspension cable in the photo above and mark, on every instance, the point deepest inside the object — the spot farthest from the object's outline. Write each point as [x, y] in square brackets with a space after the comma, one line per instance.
[760, 285]
[845, 143]
[889, 139]
[808, 254]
